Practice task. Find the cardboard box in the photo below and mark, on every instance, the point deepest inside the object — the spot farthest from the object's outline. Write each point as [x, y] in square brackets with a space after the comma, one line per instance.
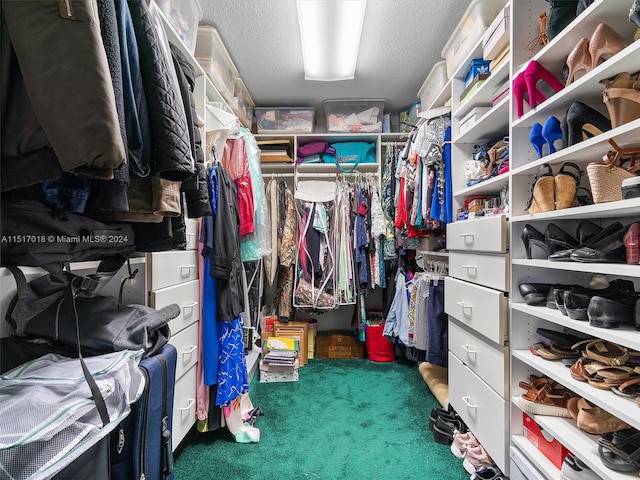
[543, 441]
[278, 373]
[470, 89]
[472, 118]
[497, 35]
[479, 66]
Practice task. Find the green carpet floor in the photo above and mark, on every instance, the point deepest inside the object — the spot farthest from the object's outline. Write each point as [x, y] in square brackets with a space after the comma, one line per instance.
[343, 420]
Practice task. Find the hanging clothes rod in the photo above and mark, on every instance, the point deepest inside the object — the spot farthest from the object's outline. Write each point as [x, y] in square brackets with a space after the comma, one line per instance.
[309, 174]
[392, 143]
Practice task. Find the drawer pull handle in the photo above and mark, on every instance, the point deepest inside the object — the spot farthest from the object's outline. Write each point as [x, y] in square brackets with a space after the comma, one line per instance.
[190, 234]
[189, 405]
[190, 305]
[191, 349]
[186, 269]
[465, 305]
[467, 403]
[468, 349]
[466, 236]
[470, 267]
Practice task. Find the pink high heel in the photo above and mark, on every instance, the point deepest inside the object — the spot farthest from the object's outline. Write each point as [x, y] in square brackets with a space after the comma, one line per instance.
[520, 89]
[532, 75]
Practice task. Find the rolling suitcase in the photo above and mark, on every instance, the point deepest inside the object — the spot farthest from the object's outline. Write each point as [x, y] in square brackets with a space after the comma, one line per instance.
[140, 447]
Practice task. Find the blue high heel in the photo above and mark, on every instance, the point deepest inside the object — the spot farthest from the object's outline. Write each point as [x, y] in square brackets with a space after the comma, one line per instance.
[551, 132]
[536, 139]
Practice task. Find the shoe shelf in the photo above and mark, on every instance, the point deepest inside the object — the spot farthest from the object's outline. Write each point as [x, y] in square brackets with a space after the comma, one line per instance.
[581, 443]
[492, 185]
[485, 94]
[493, 125]
[626, 335]
[622, 407]
[621, 209]
[590, 150]
[542, 463]
[587, 89]
[616, 269]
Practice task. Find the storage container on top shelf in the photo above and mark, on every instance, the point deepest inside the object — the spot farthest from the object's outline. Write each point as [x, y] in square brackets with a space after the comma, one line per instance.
[184, 16]
[285, 119]
[242, 104]
[433, 85]
[215, 60]
[469, 31]
[354, 116]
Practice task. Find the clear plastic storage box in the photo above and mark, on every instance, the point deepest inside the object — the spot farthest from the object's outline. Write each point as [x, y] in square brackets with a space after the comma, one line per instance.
[215, 60]
[433, 85]
[184, 16]
[242, 104]
[354, 116]
[285, 119]
[469, 31]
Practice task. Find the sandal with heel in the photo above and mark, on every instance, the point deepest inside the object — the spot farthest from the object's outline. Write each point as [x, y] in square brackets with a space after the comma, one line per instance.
[566, 184]
[542, 191]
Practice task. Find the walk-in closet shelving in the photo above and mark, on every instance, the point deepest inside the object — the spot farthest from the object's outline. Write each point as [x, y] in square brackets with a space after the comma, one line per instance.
[525, 319]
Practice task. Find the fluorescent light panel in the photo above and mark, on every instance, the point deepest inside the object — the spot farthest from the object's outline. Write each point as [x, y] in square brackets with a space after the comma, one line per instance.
[330, 31]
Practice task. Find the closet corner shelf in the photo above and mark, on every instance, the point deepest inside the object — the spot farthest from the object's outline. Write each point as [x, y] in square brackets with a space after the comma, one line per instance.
[581, 443]
[493, 185]
[429, 253]
[493, 125]
[435, 112]
[621, 407]
[621, 209]
[549, 470]
[443, 96]
[626, 335]
[619, 269]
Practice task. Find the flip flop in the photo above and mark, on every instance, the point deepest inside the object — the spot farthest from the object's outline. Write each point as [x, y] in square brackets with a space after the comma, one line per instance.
[629, 389]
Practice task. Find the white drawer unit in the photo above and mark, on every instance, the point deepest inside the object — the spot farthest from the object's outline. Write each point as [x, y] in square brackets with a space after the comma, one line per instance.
[489, 270]
[186, 343]
[186, 296]
[482, 235]
[479, 308]
[170, 268]
[191, 229]
[483, 410]
[488, 362]
[184, 406]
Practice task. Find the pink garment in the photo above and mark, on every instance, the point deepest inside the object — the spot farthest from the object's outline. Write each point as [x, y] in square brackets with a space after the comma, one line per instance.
[234, 159]
[245, 205]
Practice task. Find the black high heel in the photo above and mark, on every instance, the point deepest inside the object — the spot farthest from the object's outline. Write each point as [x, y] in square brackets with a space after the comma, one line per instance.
[609, 249]
[582, 122]
[561, 14]
[557, 239]
[530, 236]
[565, 255]
[586, 230]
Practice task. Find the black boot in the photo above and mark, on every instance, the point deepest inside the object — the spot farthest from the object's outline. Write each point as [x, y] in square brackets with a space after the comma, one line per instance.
[582, 6]
[561, 14]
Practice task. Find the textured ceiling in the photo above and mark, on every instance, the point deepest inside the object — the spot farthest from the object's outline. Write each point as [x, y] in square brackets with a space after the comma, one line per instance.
[401, 40]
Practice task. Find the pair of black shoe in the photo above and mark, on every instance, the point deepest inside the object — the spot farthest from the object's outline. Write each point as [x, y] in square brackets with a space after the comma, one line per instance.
[593, 243]
[443, 423]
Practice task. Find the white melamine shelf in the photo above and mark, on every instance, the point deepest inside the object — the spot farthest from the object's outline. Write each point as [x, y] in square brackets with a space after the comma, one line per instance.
[443, 96]
[313, 168]
[590, 150]
[621, 209]
[430, 253]
[493, 124]
[619, 269]
[485, 94]
[581, 443]
[585, 88]
[535, 456]
[621, 407]
[626, 335]
[493, 185]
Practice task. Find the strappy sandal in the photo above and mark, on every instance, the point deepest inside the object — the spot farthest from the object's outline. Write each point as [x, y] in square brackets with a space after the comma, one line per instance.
[551, 352]
[620, 451]
[542, 196]
[543, 402]
[629, 389]
[566, 184]
[606, 352]
[578, 369]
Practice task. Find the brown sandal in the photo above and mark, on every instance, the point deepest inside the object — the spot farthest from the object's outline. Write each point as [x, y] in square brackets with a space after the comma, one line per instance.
[606, 352]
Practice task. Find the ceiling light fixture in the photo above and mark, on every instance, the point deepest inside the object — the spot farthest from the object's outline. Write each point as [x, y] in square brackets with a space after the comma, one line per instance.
[330, 32]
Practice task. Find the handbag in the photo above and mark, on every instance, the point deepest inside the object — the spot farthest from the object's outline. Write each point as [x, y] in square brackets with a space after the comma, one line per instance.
[352, 153]
[55, 309]
[606, 177]
[314, 148]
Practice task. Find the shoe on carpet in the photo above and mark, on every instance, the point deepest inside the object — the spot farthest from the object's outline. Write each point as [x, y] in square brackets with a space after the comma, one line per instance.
[488, 473]
[574, 469]
[445, 427]
[476, 459]
[461, 442]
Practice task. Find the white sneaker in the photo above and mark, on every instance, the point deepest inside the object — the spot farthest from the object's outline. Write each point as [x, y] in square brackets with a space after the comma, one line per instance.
[574, 469]
[476, 459]
[461, 442]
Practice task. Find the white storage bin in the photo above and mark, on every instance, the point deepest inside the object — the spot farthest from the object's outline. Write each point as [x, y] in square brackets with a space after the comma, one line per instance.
[433, 85]
[469, 31]
[216, 62]
[242, 104]
[354, 116]
[497, 37]
[184, 16]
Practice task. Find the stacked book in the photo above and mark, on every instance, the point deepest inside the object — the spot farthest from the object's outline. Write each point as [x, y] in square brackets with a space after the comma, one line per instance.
[279, 361]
